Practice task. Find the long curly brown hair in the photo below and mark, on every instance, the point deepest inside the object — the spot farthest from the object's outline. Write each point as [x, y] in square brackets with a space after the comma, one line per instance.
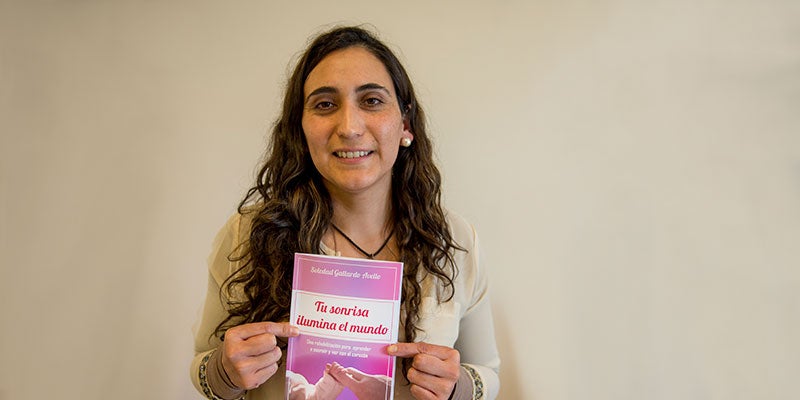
[291, 208]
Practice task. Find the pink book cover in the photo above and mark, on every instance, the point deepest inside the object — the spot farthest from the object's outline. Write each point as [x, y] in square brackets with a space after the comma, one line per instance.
[348, 312]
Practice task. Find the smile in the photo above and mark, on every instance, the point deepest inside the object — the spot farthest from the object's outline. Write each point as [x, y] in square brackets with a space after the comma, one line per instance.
[352, 154]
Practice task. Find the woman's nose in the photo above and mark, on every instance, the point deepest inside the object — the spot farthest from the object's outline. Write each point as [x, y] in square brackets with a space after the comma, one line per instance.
[350, 121]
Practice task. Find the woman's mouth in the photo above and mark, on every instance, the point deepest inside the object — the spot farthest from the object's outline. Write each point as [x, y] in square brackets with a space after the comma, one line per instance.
[352, 154]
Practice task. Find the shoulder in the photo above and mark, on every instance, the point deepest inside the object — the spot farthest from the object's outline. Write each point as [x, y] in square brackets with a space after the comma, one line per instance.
[463, 231]
[467, 258]
[230, 242]
[471, 278]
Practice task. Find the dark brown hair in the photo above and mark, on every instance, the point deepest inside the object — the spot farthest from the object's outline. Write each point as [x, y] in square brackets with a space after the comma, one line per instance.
[291, 208]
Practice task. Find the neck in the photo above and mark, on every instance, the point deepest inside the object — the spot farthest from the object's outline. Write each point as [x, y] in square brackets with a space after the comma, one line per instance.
[370, 216]
[365, 219]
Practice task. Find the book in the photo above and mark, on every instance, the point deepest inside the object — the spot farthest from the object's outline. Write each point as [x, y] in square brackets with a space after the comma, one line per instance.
[348, 312]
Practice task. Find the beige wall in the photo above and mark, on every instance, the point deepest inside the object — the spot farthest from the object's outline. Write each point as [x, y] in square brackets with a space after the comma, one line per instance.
[633, 168]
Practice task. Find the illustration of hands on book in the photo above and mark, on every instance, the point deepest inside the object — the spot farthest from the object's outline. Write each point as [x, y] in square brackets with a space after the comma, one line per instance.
[334, 380]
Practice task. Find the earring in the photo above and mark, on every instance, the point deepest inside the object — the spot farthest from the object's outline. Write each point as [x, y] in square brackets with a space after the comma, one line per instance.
[405, 142]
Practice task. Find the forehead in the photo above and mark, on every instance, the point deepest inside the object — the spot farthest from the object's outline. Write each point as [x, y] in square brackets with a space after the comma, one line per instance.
[347, 69]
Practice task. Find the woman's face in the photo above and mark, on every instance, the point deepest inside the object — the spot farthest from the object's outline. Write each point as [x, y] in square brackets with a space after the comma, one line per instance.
[352, 122]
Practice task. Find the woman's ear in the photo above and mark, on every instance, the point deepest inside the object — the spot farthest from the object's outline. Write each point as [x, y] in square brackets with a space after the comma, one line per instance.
[408, 136]
[407, 127]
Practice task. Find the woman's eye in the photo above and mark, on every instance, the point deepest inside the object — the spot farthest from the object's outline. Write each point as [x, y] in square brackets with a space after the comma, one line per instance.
[324, 105]
[373, 101]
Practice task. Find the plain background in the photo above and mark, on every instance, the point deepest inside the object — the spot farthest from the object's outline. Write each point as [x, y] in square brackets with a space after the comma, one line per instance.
[633, 169]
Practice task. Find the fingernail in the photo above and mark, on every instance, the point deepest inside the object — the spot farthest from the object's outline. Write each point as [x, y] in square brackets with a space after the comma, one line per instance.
[391, 349]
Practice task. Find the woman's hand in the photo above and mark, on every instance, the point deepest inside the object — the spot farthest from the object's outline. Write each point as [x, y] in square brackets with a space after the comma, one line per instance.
[434, 369]
[250, 352]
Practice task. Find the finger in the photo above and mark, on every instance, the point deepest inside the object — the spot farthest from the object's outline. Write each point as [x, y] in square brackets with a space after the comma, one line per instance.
[245, 331]
[269, 358]
[448, 369]
[430, 386]
[253, 346]
[258, 377]
[356, 374]
[433, 383]
[420, 393]
[265, 373]
[248, 365]
[402, 350]
[342, 376]
[412, 349]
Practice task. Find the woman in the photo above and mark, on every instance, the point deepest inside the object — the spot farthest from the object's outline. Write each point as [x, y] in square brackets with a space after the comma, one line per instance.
[350, 172]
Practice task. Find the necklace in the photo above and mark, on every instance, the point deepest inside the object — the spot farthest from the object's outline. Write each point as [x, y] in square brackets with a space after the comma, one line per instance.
[370, 256]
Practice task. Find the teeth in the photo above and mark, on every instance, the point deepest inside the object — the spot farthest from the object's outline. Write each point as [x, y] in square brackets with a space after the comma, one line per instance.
[351, 154]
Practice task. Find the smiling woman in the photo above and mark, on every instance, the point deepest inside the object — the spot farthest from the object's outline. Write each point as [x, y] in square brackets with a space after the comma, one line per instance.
[350, 172]
[353, 123]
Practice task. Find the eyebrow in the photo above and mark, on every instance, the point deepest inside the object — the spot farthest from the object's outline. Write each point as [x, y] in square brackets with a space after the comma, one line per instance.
[362, 88]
